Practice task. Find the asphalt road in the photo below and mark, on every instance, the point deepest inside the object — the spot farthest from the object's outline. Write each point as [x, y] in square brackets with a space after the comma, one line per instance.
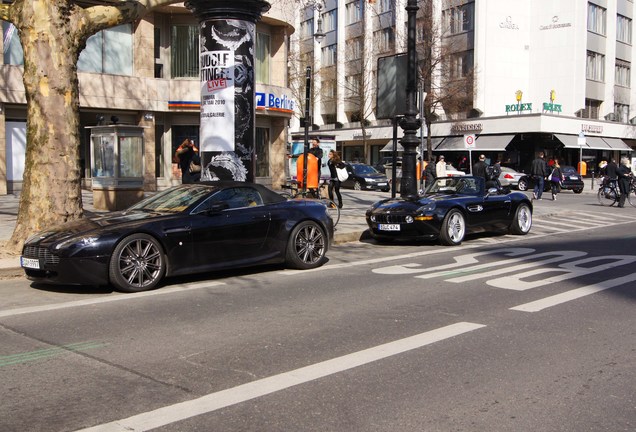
[503, 333]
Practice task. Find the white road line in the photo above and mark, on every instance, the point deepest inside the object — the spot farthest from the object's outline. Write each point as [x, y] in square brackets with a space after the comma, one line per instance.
[574, 294]
[108, 299]
[214, 401]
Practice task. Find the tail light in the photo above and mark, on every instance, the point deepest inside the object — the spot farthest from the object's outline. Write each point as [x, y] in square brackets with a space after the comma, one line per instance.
[508, 176]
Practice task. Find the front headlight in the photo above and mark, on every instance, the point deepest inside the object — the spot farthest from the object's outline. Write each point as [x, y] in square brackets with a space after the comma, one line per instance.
[427, 208]
[84, 241]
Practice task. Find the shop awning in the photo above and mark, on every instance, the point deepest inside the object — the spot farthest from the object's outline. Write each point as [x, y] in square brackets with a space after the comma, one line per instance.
[482, 143]
[493, 142]
[569, 141]
[596, 143]
[451, 144]
[617, 144]
[389, 147]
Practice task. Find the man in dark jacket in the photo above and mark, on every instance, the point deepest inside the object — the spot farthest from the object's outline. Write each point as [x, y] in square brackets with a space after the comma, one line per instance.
[479, 169]
[538, 171]
[624, 174]
[430, 172]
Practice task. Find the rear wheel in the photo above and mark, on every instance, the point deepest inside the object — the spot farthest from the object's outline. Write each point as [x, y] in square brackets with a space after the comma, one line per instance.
[357, 185]
[333, 210]
[523, 184]
[137, 264]
[453, 228]
[307, 246]
[578, 191]
[607, 196]
[522, 222]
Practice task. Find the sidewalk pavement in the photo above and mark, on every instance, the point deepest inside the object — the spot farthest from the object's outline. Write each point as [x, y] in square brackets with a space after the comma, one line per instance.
[351, 227]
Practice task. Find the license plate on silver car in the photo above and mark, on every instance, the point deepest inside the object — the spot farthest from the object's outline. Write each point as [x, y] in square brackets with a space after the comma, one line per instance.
[30, 263]
[389, 227]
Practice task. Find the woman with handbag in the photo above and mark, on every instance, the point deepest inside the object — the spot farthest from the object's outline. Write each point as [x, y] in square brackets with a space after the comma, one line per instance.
[556, 177]
[335, 163]
[187, 156]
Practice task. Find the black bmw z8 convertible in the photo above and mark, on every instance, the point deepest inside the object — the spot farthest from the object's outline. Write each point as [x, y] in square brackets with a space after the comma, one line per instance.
[450, 208]
[186, 229]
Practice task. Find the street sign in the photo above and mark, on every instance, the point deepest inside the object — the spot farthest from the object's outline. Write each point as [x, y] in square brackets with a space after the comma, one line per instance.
[469, 141]
[581, 139]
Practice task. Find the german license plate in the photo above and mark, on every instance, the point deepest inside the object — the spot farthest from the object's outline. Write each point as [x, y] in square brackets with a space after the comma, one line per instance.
[382, 184]
[389, 227]
[574, 177]
[30, 263]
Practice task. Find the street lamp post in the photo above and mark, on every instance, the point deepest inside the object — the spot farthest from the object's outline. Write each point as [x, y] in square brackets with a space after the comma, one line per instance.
[410, 123]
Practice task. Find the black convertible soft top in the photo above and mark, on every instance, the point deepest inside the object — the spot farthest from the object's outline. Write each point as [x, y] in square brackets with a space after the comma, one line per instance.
[268, 195]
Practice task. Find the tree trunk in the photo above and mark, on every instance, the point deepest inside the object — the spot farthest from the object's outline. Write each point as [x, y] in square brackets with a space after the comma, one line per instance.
[51, 192]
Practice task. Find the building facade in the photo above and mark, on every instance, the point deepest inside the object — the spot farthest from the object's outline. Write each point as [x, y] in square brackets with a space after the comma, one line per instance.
[147, 74]
[542, 76]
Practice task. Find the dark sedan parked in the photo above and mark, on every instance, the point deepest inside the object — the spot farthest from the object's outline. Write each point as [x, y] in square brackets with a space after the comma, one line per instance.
[572, 179]
[187, 229]
[365, 177]
[449, 209]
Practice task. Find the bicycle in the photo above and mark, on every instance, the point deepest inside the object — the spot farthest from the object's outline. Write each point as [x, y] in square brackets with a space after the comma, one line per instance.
[315, 194]
[608, 193]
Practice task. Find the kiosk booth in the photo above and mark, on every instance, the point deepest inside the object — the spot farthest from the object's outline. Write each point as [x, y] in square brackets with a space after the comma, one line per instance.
[117, 165]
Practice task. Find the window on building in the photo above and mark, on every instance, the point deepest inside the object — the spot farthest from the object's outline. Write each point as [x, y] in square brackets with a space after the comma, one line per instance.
[623, 29]
[109, 51]
[262, 152]
[353, 85]
[262, 61]
[330, 20]
[591, 110]
[307, 29]
[13, 53]
[595, 70]
[353, 12]
[621, 111]
[596, 19]
[329, 55]
[385, 6]
[383, 39]
[622, 73]
[355, 49]
[184, 51]
[329, 89]
[459, 19]
[461, 64]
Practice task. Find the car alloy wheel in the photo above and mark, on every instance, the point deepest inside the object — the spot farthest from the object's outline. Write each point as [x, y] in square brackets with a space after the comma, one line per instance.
[522, 222]
[307, 246]
[357, 186]
[453, 228]
[137, 263]
[522, 185]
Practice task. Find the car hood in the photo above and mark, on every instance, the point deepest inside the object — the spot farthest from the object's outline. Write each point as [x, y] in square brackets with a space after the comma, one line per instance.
[91, 224]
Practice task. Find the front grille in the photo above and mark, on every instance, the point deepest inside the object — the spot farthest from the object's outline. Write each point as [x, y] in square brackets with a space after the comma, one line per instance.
[41, 253]
[390, 219]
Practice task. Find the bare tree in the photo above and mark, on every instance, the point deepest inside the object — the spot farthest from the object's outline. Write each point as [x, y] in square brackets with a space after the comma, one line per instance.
[53, 33]
[446, 67]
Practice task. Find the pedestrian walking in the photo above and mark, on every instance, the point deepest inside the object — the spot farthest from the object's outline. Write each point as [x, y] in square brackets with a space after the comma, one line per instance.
[479, 168]
[187, 156]
[624, 173]
[334, 185]
[538, 171]
[440, 167]
[556, 177]
[317, 151]
[430, 172]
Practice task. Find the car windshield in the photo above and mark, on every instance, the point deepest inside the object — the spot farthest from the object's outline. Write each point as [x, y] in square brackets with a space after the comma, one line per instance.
[364, 169]
[454, 185]
[172, 200]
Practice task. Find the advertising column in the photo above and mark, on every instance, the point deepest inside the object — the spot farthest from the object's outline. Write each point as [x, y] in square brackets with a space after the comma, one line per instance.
[226, 62]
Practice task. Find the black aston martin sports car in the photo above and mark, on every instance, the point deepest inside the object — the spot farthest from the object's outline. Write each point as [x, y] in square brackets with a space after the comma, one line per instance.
[450, 208]
[187, 229]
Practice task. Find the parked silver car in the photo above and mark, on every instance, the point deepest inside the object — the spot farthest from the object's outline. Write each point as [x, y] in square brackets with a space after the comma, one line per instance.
[513, 179]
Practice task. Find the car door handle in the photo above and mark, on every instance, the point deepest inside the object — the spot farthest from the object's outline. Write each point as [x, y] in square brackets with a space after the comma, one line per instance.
[177, 230]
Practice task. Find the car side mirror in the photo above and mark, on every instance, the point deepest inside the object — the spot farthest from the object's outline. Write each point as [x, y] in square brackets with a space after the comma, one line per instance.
[492, 191]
